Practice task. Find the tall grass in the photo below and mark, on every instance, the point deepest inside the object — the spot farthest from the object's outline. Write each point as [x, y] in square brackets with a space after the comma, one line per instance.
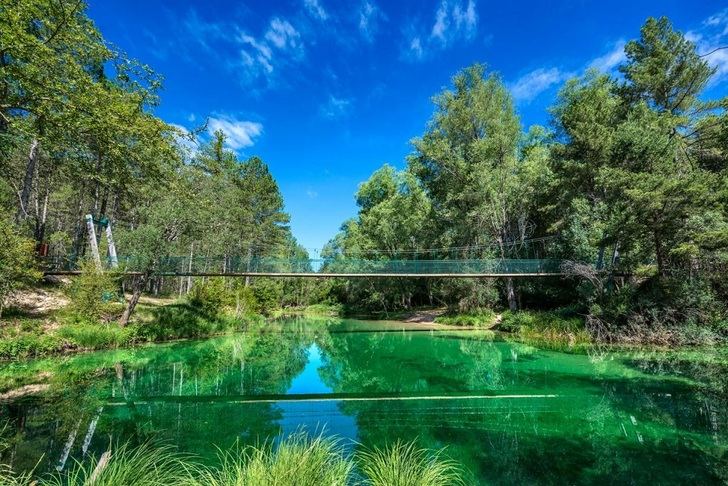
[143, 465]
[297, 461]
[404, 464]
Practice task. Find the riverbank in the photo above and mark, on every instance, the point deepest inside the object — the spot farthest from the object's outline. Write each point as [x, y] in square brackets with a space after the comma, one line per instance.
[40, 323]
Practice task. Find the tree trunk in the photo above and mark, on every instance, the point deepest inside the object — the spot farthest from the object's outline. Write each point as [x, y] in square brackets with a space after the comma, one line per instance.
[510, 290]
[136, 293]
[28, 180]
[189, 267]
[511, 294]
[659, 254]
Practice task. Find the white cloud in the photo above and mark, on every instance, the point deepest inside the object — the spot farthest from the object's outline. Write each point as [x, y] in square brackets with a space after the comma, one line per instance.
[415, 48]
[282, 35]
[611, 59]
[335, 107]
[315, 8]
[454, 21]
[238, 133]
[202, 32]
[311, 193]
[527, 87]
[369, 17]
[441, 22]
[258, 55]
[711, 40]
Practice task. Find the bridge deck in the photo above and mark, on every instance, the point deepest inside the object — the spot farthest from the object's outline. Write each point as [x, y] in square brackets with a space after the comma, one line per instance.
[328, 274]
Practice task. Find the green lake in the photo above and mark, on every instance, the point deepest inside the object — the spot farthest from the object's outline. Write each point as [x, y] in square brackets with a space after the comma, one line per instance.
[510, 413]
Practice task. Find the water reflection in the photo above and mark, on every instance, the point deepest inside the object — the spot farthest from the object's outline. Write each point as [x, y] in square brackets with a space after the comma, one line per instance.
[539, 416]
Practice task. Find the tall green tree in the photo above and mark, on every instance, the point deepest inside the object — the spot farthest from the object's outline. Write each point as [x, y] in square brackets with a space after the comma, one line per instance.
[468, 162]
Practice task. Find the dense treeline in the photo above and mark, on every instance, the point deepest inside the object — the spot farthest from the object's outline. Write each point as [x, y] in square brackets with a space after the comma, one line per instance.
[628, 184]
[631, 175]
[78, 136]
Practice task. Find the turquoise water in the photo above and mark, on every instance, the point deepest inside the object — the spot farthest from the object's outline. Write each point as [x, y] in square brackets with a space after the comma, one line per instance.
[510, 413]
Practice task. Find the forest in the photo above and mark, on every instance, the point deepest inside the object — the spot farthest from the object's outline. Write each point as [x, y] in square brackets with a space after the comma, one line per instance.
[628, 183]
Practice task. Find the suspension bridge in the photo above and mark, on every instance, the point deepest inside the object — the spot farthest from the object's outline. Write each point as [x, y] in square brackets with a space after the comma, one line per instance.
[529, 258]
[328, 268]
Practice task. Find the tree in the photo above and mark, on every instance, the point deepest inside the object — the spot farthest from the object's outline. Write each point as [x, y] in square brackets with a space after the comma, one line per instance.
[467, 160]
[17, 263]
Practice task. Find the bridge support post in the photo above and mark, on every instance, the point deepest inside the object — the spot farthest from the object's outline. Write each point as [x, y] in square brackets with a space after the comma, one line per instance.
[92, 240]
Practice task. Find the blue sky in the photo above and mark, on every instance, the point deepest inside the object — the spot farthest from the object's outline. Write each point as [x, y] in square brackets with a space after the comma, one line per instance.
[327, 91]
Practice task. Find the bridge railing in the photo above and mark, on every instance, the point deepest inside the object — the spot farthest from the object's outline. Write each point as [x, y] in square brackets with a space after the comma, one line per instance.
[241, 265]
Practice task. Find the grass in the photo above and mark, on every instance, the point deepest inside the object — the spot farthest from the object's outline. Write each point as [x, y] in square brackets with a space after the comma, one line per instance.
[23, 338]
[297, 461]
[404, 464]
[547, 327]
[143, 465]
[314, 310]
[482, 318]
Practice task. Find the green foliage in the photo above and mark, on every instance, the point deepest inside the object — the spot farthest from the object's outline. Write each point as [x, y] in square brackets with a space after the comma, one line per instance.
[184, 320]
[30, 345]
[97, 336]
[327, 310]
[296, 461]
[17, 263]
[94, 295]
[210, 296]
[404, 464]
[548, 327]
[143, 465]
[268, 294]
[481, 318]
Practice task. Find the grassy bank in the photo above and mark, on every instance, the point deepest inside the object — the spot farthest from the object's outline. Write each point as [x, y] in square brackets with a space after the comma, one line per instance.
[297, 460]
[558, 327]
[485, 318]
[60, 332]
[65, 331]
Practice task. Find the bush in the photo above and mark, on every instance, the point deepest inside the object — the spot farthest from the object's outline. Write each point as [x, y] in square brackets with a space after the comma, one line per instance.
[268, 293]
[17, 262]
[560, 326]
[666, 310]
[94, 294]
[30, 345]
[210, 296]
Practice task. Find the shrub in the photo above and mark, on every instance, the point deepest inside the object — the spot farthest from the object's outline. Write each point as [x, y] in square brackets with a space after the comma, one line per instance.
[210, 296]
[17, 264]
[560, 326]
[94, 294]
[30, 345]
[268, 293]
